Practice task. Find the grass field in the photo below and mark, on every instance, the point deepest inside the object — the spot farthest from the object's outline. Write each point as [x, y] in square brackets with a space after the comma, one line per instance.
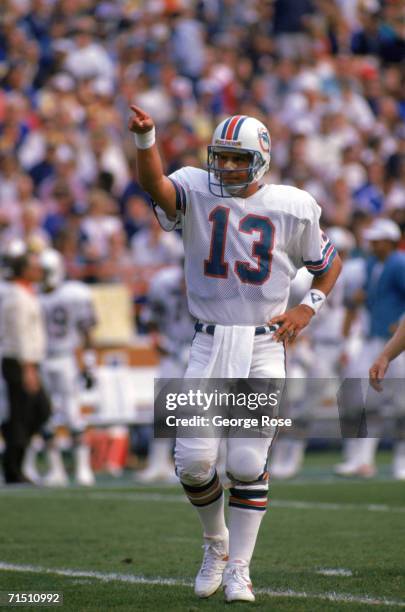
[325, 544]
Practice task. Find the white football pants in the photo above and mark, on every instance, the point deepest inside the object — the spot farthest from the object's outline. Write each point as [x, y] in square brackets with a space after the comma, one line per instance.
[246, 458]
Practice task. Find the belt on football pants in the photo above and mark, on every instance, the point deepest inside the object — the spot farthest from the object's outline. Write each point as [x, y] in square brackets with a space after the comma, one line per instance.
[209, 328]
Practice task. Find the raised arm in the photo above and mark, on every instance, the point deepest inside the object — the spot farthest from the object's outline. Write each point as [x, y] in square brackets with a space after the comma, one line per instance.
[149, 164]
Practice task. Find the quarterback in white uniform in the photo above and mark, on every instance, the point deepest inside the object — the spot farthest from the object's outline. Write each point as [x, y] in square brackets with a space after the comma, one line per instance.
[69, 316]
[243, 244]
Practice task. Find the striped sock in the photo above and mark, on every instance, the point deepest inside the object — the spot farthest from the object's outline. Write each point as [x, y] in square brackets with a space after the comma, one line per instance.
[247, 507]
[208, 500]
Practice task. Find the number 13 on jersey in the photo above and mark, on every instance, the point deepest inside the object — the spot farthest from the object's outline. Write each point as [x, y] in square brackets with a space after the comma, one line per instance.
[216, 266]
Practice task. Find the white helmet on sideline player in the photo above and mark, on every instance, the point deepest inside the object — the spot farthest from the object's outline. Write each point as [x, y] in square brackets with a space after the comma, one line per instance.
[11, 257]
[341, 238]
[53, 267]
[239, 134]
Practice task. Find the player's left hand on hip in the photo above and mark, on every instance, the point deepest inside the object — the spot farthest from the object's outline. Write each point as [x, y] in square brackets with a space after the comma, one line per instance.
[291, 323]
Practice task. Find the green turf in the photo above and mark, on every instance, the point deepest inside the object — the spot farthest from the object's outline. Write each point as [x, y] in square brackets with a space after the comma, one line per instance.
[120, 528]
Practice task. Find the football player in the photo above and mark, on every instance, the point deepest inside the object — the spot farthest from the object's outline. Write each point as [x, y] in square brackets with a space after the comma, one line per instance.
[316, 358]
[383, 295]
[172, 328]
[69, 317]
[243, 243]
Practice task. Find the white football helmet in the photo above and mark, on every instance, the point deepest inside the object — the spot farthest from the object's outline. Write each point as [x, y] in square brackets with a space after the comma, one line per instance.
[12, 257]
[341, 238]
[53, 267]
[239, 134]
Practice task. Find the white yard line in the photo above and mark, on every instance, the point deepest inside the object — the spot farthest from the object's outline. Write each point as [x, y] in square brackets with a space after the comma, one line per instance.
[179, 499]
[334, 572]
[131, 579]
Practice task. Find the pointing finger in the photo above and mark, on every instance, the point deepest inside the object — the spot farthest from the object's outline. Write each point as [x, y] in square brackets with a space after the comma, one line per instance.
[138, 111]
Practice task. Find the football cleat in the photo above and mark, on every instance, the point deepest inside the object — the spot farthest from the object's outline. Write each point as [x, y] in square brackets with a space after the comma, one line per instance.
[236, 582]
[85, 477]
[348, 469]
[209, 578]
[31, 473]
[55, 478]
[156, 474]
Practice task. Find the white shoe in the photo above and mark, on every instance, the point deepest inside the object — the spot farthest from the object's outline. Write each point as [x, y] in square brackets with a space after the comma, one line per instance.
[284, 472]
[209, 578]
[55, 479]
[345, 469]
[156, 474]
[287, 459]
[364, 470]
[85, 478]
[31, 472]
[236, 582]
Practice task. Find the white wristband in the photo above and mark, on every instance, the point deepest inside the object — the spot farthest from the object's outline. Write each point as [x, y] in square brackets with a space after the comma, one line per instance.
[315, 299]
[146, 140]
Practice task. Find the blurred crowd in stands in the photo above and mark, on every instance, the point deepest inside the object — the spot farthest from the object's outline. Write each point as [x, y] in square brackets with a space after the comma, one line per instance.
[326, 76]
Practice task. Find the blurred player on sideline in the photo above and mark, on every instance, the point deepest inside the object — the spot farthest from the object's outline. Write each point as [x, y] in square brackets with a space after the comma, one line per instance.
[383, 295]
[172, 328]
[69, 317]
[243, 243]
[314, 358]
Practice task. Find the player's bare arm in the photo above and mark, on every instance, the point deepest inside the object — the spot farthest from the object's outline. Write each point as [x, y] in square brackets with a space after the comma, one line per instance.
[296, 319]
[392, 349]
[149, 163]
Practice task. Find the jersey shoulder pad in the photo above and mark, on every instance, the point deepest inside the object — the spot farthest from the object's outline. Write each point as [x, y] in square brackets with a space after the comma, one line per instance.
[192, 179]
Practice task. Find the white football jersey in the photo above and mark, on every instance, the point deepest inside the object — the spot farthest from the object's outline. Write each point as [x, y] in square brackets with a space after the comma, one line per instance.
[241, 254]
[167, 308]
[68, 312]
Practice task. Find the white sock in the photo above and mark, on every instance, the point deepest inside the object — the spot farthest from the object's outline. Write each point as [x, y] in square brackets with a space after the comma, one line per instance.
[29, 467]
[399, 457]
[55, 461]
[212, 518]
[243, 529]
[296, 455]
[159, 454]
[30, 457]
[82, 457]
[368, 450]
[351, 449]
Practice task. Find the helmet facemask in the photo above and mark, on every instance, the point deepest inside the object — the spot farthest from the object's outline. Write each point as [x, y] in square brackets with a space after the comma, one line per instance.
[216, 175]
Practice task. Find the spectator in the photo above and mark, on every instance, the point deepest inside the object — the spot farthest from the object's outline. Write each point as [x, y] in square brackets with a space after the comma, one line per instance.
[96, 228]
[325, 76]
[153, 248]
[23, 350]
